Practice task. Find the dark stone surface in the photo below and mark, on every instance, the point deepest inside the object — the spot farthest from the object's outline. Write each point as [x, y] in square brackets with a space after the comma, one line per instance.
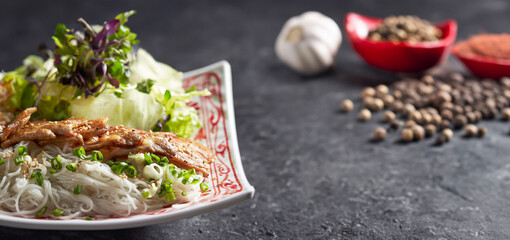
[315, 171]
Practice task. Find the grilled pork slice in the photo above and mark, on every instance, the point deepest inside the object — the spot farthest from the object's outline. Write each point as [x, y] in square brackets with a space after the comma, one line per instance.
[115, 142]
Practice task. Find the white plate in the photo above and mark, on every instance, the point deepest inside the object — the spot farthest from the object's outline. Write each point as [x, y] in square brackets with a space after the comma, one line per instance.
[228, 183]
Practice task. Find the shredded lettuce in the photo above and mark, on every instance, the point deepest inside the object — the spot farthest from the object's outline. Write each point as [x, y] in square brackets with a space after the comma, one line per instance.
[133, 109]
[165, 84]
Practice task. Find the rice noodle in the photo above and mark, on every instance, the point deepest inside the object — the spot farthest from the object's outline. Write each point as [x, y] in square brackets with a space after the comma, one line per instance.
[104, 193]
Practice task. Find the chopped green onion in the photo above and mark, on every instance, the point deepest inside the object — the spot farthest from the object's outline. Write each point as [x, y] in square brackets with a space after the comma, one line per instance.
[185, 178]
[56, 163]
[89, 218]
[195, 181]
[1, 161]
[164, 160]
[166, 187]
[148, 159]
[184, 193]
[119, 167]
[192, 171]
[175, 173]
[171, 166]
[170, 196]
[79, 152]
[131, 171]
[19, 160]
[110, 163]
[41, 212]
[97, 156]
[38, 177]
[161, 193]
[57, 212]
[145, 194]
[22, 150]
[156, 158]
[53, 171]
[71, 167]
[204, 187]
[77, 189]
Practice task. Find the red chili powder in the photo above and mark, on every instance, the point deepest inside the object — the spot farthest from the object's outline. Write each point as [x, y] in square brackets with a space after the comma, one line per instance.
[486, 45]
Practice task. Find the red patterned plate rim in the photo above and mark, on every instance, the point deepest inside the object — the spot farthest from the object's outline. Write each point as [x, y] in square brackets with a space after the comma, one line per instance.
[228, 181]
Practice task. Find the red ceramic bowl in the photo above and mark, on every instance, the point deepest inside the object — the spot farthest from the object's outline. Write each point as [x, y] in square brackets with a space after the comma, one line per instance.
[483, 67]
[402, 56]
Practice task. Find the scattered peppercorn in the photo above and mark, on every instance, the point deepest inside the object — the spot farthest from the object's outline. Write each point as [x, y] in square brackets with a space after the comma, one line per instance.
[418, 132]
[407, 135]
[388, 100]
[460, 121]
[364, 115]
[381, 90]
[388, 116]
[505, 115]
[430, 130]
[395, 124]
[410, 124]
[347, 105]
[433, 103]
[380, 134]
[377, 105]
[448, 133]
[482, 131]
[368, 92]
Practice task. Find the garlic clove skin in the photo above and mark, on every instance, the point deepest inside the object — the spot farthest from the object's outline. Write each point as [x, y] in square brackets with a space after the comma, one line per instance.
[308, 43]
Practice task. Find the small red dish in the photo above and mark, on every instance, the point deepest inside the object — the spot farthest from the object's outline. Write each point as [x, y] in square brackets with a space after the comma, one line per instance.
[401, 56]
[483, 67]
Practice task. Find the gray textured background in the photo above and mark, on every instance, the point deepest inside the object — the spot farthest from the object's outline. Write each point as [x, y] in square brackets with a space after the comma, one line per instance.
[315, 171]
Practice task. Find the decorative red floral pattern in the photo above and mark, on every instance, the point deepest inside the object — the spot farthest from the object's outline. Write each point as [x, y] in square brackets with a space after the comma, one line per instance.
[214, 135]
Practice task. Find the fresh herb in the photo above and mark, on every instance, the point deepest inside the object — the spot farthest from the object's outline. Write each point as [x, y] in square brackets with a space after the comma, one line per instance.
[53, 171]
[89, 218]
[71, 167]
[57, 212]
[1, 161]
[41, 212]
[191, 89]
[145, 86]
[38, 177]
[56, 163]
[88, 60]
[77, 189]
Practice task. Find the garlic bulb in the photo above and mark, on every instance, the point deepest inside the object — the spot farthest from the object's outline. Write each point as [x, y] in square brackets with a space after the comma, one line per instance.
[309, 42]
